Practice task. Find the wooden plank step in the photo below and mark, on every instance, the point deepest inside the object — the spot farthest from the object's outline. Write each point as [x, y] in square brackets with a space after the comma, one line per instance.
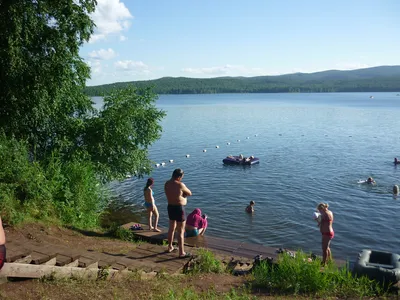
[14, 253]
[40, 258]
[88, 262]
[39, 271]
[62, 260]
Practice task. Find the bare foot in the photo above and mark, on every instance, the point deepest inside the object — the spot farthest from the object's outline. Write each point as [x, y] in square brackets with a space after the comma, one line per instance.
[156, 230]
[151, 227]
[171, 249]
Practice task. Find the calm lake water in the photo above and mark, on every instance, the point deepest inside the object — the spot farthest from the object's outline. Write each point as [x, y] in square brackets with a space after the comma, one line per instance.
[312, 148]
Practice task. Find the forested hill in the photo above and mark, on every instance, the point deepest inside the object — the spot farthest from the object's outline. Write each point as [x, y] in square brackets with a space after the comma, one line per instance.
[377, 79]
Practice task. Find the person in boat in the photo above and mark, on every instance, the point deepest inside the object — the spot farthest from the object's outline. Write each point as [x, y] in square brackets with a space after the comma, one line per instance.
[396, 161]
[370, 180]
[151, 205]
[196, 223]
[326, 229]
[250, 207]
[241, 157]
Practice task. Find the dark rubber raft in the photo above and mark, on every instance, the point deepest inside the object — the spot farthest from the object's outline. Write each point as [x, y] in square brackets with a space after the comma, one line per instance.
[378, 265]
[236, 160]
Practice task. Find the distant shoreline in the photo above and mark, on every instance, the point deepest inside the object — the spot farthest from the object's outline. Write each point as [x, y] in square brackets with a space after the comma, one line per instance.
[370, 80]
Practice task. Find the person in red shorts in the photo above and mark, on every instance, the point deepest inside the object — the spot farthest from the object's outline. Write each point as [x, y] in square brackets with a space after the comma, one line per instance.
[2, 245]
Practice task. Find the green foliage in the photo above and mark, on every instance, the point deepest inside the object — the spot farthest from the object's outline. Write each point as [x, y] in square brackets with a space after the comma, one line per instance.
[299, 275]
[117, 137]
[50, 191]
[64, 147]
[41, 73]
[378, 79]
[205, 262]
[122, 233]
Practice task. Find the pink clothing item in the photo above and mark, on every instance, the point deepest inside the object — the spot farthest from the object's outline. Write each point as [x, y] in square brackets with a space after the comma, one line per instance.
[194, 219]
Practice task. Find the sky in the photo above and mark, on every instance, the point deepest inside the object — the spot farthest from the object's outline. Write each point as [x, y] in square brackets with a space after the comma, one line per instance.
[150, 39]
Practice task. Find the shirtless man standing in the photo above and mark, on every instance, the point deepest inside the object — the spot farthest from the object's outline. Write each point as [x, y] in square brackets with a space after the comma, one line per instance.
[176, 192]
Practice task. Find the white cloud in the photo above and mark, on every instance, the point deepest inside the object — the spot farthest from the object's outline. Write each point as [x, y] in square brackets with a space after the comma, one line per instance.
[122, 38]
[228, 70]
[102, 54]
[111, 17]
[130, 65]
[95, 67]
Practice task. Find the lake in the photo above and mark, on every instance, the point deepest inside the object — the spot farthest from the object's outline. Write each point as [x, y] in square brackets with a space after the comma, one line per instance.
[312, 148]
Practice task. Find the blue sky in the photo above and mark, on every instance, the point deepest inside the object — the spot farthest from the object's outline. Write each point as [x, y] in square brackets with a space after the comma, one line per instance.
[148, 39]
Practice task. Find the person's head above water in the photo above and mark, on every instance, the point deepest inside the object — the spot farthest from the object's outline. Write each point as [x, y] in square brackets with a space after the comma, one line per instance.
[370, 179]
[395, 189]
[177, 173]
[252, 202]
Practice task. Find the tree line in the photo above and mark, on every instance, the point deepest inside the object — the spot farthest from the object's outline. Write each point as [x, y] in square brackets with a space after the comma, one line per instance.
[322, 82]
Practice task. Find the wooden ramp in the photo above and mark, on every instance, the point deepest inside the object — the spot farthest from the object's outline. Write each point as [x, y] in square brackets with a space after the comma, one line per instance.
[32, 259]
[223, 247]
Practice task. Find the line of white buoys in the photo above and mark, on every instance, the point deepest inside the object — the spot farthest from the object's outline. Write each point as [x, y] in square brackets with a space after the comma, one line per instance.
[187, 156]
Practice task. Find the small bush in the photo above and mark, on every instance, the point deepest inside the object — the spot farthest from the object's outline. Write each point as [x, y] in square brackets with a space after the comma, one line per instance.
[67, 193]
[206, 262]
[122, 233]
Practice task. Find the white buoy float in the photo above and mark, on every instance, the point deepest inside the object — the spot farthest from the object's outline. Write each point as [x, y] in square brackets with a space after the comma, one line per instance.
[157, 165]
[228, 143]
[163, 163]
[256, 135]
[217, 147]
[238, 140]
[204, 150]
[187, 155]
[248, 137]
[171, 160]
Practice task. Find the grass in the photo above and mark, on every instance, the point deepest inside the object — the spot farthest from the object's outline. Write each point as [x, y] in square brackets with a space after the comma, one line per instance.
[166, 287]
[206, 262]
[300, 276]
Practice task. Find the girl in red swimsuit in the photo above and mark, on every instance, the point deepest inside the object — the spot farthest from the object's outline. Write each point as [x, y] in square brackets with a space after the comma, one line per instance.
[325, 226]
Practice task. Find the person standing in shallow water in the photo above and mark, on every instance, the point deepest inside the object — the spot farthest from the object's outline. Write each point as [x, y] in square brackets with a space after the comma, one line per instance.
[176, 192]
[326, 229]
[150, 205]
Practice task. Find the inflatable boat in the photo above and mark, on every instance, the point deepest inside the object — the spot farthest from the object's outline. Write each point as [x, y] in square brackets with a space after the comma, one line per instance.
[378, 265]
[236, 160]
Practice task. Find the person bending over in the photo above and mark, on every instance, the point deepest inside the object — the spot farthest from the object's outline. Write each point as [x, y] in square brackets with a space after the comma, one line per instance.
[150, 205]
[196, 224]
[176, 192]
